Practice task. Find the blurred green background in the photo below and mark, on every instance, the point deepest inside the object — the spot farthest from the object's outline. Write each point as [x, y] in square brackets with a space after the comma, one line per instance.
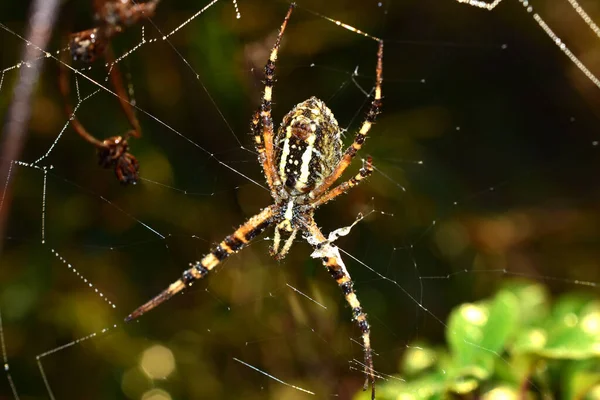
[487, 169]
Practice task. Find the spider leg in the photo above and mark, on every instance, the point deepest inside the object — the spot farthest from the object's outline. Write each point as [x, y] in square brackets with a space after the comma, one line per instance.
[364, 172]
[332, 260]
[266, 119]
[231, 244]
[262, 156]
[361, 135]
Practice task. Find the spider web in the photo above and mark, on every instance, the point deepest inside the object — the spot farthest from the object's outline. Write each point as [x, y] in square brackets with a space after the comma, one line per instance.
[485, 169]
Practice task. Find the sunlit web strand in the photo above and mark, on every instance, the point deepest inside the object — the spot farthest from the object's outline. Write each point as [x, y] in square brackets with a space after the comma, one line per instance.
[187, 63]
[305, 295]
[191, 193]
[21, 64]
[8, 176]
[237, 10]
[74, 342]
[99, 85]
[69, 266]
[44, 207]
[579, 10]
[85, 280]
[124, 55]
[274, 378]
[396, 284]
[66, 125]
[342, 24]
[45, 379]
[540, 21]
[566, 50]
[187, 21]
[481, 4]
[378, 375]
[5, 359]
[39, 168]
[59, 348]
[505, 271]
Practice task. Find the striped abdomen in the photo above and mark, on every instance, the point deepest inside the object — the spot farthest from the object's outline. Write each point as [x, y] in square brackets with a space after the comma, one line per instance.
[307, 146]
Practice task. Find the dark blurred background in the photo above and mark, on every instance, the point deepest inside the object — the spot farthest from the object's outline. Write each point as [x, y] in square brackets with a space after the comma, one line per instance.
[487, 169]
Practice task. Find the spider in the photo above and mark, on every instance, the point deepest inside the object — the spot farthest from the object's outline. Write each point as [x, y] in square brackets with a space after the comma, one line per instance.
[86, 46]
[301, 163]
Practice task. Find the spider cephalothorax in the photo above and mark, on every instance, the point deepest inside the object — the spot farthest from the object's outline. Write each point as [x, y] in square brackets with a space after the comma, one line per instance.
[301, 163]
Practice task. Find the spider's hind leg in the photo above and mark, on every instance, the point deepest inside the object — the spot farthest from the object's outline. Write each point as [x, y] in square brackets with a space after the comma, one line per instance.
[330, 256]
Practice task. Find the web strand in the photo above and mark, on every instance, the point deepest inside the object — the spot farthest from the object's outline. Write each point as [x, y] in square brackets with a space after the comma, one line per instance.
[13, 388]
[397, 259]
[542, 24]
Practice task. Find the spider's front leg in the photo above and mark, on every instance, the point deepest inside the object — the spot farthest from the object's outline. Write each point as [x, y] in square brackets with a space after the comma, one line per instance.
[361, 135]
[364, 172]
[330, 255]
[232, 244]
[262, 121]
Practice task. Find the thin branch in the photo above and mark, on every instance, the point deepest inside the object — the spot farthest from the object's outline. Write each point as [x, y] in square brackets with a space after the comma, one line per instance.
[41, 23]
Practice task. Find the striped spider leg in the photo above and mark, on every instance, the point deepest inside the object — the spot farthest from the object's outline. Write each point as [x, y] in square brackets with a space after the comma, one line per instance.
[332, 260]
[114, 151]
[301, 161]
[231, 244]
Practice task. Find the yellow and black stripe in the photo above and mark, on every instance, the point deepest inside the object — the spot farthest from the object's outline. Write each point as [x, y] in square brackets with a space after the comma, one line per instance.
[361, 135]
[268, 170]
[266, 120]
[364, 172]
[231, 244]
[345, 283]
[335, 266]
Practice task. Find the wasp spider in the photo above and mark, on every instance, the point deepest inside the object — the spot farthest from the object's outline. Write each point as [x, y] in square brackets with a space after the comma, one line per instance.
[301, 162]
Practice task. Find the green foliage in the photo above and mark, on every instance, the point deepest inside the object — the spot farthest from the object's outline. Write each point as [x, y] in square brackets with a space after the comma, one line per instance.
[515, 345]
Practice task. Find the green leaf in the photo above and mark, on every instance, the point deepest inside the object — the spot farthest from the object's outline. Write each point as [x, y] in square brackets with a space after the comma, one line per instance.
[505, 392]
[430, 387]
[463, 385]
[478, 333]
[579, 378]
[574, 329]
[465, 332]
[529, 340]
[502, 323]
[593, 394]
[533, 300]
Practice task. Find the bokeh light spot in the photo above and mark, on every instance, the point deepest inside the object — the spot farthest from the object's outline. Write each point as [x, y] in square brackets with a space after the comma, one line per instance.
[156, 394]
[157, 362]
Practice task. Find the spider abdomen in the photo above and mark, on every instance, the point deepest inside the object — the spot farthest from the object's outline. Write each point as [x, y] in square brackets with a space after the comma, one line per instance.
[307, 146]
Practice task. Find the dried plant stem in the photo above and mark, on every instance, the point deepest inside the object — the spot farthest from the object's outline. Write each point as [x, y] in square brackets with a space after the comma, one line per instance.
[41, 23]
